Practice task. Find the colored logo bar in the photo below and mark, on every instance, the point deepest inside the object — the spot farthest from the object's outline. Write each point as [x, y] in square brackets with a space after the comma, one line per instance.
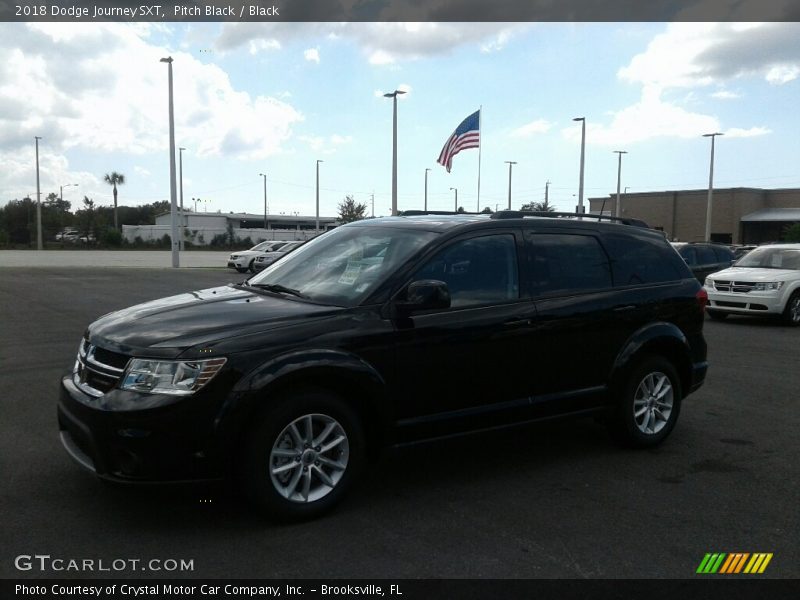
[734, 562]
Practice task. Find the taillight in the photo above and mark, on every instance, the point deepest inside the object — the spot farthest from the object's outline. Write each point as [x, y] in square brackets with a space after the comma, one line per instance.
[702, 298]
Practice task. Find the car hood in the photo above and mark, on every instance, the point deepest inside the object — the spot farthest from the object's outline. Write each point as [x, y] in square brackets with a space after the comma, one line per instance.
[168, 326]
[755, 274]
[248, 253]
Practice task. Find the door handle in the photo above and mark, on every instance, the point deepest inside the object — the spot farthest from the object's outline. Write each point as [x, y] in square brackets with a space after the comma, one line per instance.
[522, 322]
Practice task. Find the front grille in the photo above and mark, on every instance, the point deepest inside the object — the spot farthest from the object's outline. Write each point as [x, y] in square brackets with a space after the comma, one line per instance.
[739, 287]
[731, 304]
[98, 370]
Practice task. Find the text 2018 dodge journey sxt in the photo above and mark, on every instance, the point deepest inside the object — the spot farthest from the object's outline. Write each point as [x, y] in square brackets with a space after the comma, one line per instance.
[385, 332]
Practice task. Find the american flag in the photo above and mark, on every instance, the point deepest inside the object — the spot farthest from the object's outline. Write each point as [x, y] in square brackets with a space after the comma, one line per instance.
[466, 135]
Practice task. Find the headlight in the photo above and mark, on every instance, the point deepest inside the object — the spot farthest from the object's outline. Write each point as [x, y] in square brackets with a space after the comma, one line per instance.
[234, 256]
[709, 283]
[768, 286]
[179, 378]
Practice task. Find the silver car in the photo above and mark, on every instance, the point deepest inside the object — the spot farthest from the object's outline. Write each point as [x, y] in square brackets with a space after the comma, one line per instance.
[262, 262]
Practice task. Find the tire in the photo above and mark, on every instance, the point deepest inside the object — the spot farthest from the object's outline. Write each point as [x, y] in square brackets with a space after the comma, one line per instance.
[251, 268]
[717, 315]
[241, 269]
[288, 474]
[647, 429]
[791, 314]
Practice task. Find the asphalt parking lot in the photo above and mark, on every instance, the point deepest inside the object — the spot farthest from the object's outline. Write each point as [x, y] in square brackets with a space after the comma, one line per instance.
[550, 501]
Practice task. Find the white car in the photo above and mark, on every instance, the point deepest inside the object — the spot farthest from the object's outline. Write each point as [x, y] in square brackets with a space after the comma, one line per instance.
[766, 281]
[243, 261]
[262, 262]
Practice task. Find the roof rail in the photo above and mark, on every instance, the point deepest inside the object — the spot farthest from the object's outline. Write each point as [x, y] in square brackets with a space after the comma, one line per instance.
[416, 213]
[519, 214]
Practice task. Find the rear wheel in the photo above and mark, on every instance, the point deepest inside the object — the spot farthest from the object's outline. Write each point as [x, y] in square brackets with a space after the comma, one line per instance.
[649, 403]
[791, 314]
[717, 315]
[302, 456]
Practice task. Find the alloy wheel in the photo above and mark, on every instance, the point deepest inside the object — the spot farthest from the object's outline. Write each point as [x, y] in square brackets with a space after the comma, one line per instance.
[653, 403]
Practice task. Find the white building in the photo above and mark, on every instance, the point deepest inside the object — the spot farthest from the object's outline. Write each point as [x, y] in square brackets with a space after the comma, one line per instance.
[201, 228]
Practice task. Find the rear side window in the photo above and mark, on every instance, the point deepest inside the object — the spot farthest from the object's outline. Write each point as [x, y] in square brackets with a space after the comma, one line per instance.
[566, 263]
[636, 260]
[689, 255]
[705, 255]
[723, 254]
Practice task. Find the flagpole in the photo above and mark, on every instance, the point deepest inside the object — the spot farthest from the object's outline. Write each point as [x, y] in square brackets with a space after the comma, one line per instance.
[480, 143]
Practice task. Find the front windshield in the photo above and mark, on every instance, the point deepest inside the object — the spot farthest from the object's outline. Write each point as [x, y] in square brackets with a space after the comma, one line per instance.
[771, 258]
[346, 264]
[263, 246]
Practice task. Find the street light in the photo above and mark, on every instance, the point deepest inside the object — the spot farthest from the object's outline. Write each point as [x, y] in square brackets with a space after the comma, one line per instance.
[265, 199]
[61, 198]
[393, 95]
[172, 186]
[316, 227]
[619, 177]
[180, 176]
[38, 200]
[583, 149]
[426, 189]
[510, 163]
[710, 185]
[456, 191]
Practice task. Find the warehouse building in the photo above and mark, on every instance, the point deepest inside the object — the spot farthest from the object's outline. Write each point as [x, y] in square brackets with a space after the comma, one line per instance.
[739, 215]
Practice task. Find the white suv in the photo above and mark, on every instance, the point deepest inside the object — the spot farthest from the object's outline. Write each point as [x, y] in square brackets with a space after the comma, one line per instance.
[243, 260]
[766, 281]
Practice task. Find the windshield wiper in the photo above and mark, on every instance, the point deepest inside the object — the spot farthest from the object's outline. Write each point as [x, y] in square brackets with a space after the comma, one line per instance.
[277, 287]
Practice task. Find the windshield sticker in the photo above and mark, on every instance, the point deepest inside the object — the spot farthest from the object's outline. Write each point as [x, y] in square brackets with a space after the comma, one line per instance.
[351, 273]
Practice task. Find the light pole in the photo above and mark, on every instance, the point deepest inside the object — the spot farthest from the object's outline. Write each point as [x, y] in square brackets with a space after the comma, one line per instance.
[546, 192]
[316, 227]
[619, 178]
[172, 186]
[61, 198]
[180, 177]
[393, 96]
[456, 191]
[510, 163]
[426, 189]
[265, 199]
[710, 185]
[583, 149]
[38, 200]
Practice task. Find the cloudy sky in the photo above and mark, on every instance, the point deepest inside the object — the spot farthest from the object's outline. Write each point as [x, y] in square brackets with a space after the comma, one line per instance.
[273, 98]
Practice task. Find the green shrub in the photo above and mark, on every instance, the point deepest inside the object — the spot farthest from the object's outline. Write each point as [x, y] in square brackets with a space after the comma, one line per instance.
[112, 238]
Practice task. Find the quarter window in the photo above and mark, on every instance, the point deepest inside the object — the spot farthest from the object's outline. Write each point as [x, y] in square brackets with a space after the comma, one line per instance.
[480, 270]
[637, 260]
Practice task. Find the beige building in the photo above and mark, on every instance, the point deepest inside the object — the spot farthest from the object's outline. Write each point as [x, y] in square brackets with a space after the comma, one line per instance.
[738, 216]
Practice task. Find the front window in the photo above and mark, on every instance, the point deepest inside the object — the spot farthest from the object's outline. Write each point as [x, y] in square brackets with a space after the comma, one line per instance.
[771, 258]
[345, 265]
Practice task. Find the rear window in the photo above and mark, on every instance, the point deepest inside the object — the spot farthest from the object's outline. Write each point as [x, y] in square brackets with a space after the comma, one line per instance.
[705, 255]
[636, 260]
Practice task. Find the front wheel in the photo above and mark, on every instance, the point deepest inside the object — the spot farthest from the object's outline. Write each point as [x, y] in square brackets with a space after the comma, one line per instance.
[649, 404]
[717, 315]
[241, 269]
[791, 314]
[302, 456]
[252, 267]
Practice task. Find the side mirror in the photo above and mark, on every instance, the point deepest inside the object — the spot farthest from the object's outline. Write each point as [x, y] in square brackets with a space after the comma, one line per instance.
[426, 294]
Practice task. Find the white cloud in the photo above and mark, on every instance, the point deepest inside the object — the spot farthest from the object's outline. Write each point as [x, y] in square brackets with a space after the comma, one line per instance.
[780, 74]
[532, 128]
[725, 95]
[736, 132]
[142, 171]
[312, 55]
[325, 145]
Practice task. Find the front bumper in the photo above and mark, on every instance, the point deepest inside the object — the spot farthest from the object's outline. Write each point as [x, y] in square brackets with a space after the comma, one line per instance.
[239, 263]
[158, 445]
[750, 303]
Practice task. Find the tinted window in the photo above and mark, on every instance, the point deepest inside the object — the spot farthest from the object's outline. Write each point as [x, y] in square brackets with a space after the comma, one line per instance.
[480, 270]
[636, 260]
[705, 255]
[723, 254]
[688, 254]
[564, 263]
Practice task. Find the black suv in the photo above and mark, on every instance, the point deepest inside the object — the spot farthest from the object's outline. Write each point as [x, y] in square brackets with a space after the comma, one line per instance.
[386, 332]
[705, 258]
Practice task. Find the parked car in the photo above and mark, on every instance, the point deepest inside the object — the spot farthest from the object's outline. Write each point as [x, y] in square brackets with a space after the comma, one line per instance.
[67, 234]
[265, 260]
[243, 260]
[765, 281]
[704, 258]
[740, 251]
[388, 332]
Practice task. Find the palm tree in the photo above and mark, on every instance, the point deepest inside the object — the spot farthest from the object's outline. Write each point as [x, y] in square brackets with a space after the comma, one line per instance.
[115, 179]
[543, 206]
